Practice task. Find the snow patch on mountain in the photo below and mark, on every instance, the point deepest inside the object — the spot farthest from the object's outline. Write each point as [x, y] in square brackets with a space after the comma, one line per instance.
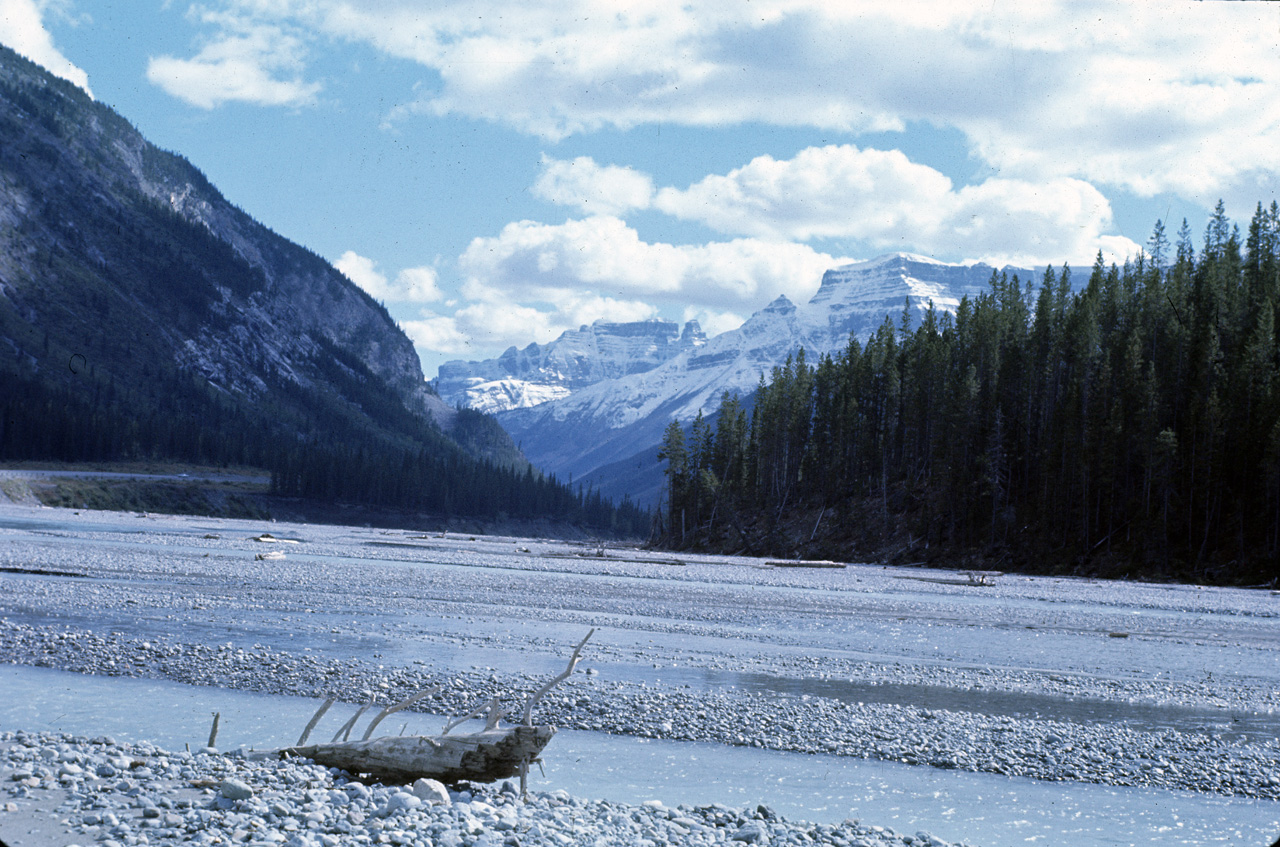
[521, 378]
[498, 395]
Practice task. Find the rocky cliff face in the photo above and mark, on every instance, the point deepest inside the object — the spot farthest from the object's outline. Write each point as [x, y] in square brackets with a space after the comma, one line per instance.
[539, 373]
[854, 299]
[124, 257]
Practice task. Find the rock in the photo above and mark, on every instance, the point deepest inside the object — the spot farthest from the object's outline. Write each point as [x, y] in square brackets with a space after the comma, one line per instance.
[751, 833]
[399, 802]
[432, 792]
[234, 789]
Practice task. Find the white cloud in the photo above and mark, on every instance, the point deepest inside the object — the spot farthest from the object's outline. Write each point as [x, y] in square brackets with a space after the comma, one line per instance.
[22, 29]
[824, 192]
[249, 61]
[420, 285]
[883, 200]
[417, 285]
[533, 281]
[713, 323]
[1030, 224]
[531, 261]
[364, 273]
[1154, 97]
[593, 189]
[437, 334]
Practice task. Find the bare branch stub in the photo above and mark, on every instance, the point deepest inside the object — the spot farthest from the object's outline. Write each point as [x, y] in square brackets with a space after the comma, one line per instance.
[541, 692]
[475, 713]
[315, 719]
[345, 732]
[496, 714]
[390, 710]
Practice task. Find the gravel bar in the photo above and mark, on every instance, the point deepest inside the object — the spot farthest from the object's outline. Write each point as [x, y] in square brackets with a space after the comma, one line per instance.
[1104, 753]
[1056, 679]
[117, 795]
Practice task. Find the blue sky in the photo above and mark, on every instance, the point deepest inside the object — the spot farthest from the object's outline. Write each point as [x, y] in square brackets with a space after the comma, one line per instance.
[498, 172]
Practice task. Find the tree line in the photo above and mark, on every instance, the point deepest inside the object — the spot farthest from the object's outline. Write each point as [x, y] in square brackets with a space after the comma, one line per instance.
[1129, 425]
[99, 420]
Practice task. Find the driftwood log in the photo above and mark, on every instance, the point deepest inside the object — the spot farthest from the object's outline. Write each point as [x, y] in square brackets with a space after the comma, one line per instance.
[494, 753]
[476, 757]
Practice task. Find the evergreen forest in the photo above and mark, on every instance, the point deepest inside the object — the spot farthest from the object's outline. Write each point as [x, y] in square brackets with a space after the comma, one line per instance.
[1123, 426]
[341, 462]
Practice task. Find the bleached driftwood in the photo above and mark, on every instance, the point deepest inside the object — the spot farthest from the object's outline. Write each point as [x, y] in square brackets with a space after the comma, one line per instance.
[495, 714]
[541, 692]
[345, 732]
[403, 704]
[496, 752]
[315, 719]
[477, 757]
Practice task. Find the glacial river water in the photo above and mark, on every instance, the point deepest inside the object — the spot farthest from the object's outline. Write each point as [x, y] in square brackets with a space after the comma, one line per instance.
[696, 622]
[979, 809]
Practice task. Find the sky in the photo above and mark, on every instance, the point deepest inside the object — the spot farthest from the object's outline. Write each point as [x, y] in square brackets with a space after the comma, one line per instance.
[499, 172]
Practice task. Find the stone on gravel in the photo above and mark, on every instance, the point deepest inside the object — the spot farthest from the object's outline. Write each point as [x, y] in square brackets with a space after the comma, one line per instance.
[234, 789]
[432, 792]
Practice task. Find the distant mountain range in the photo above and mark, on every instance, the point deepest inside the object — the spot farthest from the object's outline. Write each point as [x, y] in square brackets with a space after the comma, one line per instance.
[603, 425]
[142, 314]
[575, 360]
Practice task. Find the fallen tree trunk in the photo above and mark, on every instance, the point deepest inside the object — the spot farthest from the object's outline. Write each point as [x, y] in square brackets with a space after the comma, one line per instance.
[476, 757]
[494, 753]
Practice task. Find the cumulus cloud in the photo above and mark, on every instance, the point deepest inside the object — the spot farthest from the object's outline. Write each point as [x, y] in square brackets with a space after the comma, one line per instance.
[595, 190]
[712, 322]
[1030, 223]
[249, 61]
[1154, 97]
[438, 334]
[602, 254]
[533, 281]
[883, 200]
[418, 285]
[22, 29]
[824, 192]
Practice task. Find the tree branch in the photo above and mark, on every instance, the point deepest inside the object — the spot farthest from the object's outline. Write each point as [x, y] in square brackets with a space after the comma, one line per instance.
[390, 710]
[541, 692]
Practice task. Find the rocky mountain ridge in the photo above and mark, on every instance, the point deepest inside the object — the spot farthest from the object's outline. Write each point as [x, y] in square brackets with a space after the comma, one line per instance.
[539, 373]
[124, 273]
[620, 420]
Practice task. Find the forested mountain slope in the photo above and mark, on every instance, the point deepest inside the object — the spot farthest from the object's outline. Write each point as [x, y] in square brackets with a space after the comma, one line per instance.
[1129, 428]
[142, 315]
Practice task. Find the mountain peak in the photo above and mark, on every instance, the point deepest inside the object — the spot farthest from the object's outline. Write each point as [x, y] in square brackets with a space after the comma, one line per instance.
[781, 305]
[898, 258]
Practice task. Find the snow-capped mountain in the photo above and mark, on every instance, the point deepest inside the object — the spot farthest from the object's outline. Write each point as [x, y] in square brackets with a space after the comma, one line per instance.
[541, 373]
[615, 420]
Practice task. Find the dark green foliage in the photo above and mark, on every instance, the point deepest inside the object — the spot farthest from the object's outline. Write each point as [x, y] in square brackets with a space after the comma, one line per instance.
[1129, 428]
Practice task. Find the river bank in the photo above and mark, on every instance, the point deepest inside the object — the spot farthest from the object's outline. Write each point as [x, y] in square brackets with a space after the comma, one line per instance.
[99, 790]
[1066, 681]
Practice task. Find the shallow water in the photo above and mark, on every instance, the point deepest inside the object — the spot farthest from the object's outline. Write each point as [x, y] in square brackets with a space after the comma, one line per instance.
[869, 613]
[980, 809]
[517, 605]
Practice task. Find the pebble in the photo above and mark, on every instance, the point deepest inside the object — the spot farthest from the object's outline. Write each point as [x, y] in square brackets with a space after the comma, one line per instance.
[234, 789]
